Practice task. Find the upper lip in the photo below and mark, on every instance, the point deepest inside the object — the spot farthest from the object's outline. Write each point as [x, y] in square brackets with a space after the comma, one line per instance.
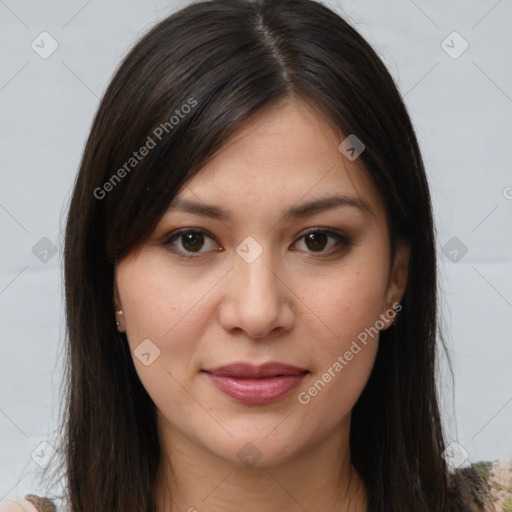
[248, 370]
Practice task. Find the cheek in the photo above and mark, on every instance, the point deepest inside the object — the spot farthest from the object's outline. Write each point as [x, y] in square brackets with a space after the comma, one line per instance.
[331, 394]
[160, 309]
[160, 304]
[347, 303]
[344, 354]
[343, 314]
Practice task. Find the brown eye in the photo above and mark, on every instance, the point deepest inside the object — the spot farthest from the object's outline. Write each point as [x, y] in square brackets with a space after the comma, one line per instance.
[317, 241]
[188, 243]
[192, 241]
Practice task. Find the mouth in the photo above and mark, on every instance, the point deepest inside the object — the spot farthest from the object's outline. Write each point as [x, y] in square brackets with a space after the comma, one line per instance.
[256, 384]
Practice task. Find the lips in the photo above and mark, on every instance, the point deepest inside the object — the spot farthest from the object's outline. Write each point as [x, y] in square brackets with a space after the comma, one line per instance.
[248, 371]
[256, 384]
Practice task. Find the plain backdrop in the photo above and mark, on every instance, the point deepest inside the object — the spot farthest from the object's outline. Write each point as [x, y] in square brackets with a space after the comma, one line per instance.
[460, 102]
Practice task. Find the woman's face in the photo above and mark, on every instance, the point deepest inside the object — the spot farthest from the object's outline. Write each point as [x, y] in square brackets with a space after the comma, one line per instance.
[255, 285]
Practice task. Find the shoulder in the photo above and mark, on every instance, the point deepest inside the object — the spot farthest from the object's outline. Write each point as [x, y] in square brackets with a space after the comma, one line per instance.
[17, 505]
[486, 486]
[29, 503]
[500, 485]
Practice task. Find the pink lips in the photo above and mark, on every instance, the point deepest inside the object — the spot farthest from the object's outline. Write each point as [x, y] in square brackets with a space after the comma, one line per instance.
[256, 384]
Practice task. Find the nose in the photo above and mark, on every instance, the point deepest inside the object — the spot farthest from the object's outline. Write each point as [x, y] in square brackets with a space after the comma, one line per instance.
[257, 299]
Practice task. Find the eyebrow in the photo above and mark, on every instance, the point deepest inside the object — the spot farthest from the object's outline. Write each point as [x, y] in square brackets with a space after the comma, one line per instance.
[297, 211]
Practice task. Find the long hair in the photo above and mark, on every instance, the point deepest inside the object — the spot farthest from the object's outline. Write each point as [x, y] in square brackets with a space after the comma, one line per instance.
[180, 92]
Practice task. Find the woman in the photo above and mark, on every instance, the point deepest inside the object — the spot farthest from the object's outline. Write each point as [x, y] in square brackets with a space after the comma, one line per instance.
[250, 215]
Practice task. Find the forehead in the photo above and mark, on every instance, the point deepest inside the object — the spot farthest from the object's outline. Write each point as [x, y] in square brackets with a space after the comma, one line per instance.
[283, 156]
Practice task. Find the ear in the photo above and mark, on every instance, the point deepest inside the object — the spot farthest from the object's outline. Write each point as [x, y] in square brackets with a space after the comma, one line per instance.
[397, 281]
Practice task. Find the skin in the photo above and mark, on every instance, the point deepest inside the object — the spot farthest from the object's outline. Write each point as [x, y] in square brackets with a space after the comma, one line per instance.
[291, 305]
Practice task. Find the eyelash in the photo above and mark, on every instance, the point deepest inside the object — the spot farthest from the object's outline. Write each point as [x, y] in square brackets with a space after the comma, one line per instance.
[342, 240]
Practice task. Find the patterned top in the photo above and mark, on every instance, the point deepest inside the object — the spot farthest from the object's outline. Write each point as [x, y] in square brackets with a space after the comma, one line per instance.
[498, 476]
[42, 504]
[500, 482]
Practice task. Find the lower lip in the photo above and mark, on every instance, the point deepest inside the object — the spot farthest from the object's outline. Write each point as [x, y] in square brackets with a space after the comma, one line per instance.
[256, 391]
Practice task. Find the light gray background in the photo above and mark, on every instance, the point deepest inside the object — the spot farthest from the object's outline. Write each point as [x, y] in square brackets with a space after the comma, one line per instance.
[461, 109]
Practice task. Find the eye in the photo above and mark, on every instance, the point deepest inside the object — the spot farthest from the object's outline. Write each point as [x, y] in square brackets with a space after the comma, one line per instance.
[317, 240]
[190, 240]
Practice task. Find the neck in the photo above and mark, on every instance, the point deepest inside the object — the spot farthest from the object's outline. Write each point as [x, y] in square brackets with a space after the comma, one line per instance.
[319, 479]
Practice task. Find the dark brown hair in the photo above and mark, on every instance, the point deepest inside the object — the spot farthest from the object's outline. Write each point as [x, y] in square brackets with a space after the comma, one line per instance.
[228, 60]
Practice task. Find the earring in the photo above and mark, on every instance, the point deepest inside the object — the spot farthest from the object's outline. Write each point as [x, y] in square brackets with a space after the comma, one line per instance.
[396, 316]
[120, 312]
